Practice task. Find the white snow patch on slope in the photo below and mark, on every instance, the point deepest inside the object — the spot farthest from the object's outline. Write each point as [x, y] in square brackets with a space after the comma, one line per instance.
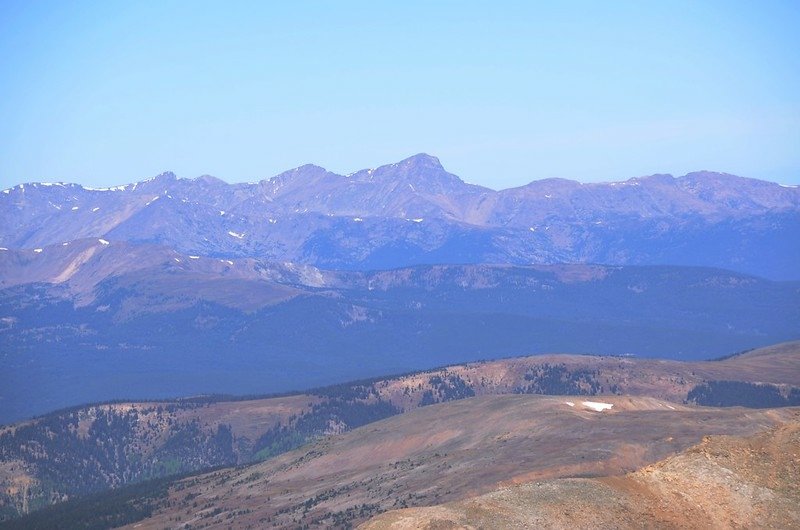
[194, 257]
[75, 208]
[103, 241]
[596, 405]
[113, 188]
[570, 403]
[357, 219]
[235, 234]
[37, 250]
[95, 208]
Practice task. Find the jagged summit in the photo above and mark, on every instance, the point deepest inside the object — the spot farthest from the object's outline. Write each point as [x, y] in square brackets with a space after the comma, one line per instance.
[165, 176]
[421, 161]
[414, 211]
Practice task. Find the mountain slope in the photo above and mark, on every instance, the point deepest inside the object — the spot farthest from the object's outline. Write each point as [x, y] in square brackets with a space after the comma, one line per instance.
[40, 459]
[723, 482]
[441, 453]
[415, 212]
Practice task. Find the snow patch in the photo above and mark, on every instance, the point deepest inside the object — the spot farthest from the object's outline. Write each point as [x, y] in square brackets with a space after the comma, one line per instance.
[65, 244]
[113, 188]
[532, 229]
[151, 201]
[103, 241]
[176, 259]
[791, 186]
[222, 212]
[95, 208]
[37, 250]
[570, 403]
[75, 208]
[194, 257]
[6, 191]
[273, 221]
[417, 220]
[357, 219]
[236, 235]
[3, 248]
[597, 406]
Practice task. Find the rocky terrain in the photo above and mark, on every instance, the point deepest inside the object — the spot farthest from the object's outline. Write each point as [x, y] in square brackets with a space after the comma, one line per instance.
[58, 456]
[441, 453]
[722, 482]
[415, 212]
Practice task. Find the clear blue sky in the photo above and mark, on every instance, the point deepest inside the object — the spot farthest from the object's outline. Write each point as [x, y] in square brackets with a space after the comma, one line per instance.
[502, 92]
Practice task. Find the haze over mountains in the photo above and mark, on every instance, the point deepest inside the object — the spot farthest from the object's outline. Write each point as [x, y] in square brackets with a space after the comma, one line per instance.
[415, 212]
[175, 287]
[183, 286]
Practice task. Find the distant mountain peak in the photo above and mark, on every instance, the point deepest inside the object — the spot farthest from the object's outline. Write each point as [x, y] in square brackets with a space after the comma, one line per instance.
[209, 179]
[421, 161]
[165, 176]
[309, 168]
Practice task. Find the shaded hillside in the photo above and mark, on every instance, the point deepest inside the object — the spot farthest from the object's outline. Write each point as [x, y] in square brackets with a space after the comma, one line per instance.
[97, 320]
[58, 456]
[723, 482]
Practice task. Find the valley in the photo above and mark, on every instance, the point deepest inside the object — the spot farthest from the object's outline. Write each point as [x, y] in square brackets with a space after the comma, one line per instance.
[91, 321]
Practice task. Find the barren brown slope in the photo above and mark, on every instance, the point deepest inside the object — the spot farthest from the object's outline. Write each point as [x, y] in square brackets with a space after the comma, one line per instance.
[723, 482]
[158, 431]
[588, 374]
[448, 452]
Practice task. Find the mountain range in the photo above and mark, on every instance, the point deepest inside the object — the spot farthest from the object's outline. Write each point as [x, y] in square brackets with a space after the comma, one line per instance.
[127, 298]
[415, 212]
[174, 286]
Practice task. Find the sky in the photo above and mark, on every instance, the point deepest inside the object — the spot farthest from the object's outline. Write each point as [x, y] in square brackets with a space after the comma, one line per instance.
[104, 93]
